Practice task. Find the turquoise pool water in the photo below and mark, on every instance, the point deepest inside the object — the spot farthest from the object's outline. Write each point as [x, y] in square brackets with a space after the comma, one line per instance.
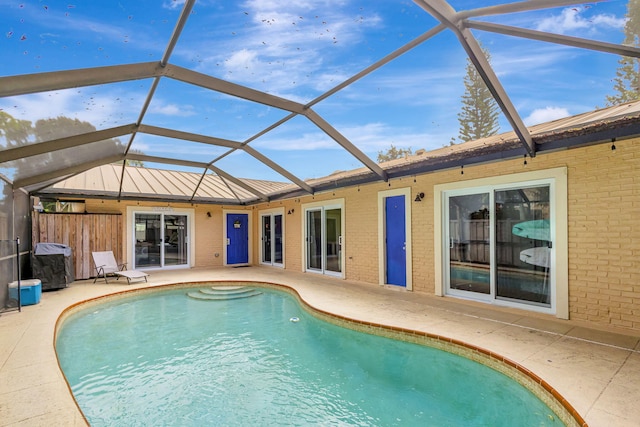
[166, 359]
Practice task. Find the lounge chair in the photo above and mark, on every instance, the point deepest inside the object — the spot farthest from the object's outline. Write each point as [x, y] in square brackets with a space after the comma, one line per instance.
[106, 264]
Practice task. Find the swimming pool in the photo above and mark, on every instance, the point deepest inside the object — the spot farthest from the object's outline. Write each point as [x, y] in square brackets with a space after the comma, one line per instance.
[163, 358]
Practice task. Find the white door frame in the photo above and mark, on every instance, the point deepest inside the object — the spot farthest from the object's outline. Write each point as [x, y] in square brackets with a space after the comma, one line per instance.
[557, 177]
[131, 237]
[225, 212]
[323, 206]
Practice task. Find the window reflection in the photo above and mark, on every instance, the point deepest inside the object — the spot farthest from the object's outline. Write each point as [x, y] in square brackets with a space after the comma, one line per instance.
[523, 244]
[469, 243]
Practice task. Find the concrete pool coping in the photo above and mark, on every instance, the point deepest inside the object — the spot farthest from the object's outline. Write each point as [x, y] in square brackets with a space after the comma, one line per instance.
[596, 370]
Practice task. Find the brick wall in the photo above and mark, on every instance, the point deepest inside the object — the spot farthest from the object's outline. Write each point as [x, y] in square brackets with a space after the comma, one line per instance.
[603, 227]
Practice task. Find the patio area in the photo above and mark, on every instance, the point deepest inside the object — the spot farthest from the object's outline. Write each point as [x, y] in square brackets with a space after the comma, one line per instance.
[597, 371]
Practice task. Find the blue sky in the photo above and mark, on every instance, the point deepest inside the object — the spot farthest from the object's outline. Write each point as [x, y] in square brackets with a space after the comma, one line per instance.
[298, 50]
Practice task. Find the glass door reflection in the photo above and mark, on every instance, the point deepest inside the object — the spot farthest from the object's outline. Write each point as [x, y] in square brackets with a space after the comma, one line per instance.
[160, 240]
[469, 243]
[175, 239]
[523, 244]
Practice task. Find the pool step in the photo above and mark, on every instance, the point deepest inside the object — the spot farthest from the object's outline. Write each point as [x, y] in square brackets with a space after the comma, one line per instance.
[227, 290]
[223, 293]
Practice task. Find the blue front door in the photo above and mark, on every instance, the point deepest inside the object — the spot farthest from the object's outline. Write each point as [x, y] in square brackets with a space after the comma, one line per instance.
[396, 255]
[237, 238]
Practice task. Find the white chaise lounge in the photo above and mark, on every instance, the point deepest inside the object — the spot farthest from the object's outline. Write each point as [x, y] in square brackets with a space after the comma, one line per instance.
[106, 264]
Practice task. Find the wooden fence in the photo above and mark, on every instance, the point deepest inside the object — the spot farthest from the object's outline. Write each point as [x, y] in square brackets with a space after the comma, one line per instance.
[470, 242]
[84, 233]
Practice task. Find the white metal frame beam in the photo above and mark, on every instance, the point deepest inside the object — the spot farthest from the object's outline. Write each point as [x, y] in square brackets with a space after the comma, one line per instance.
[346, 144]
[459, 23]
[32, 180]
[443, 12]
[521, 6]
[208, 82]
[35, 149]
[187, 136]
[56, 80]
[555, 38]
[170, 133]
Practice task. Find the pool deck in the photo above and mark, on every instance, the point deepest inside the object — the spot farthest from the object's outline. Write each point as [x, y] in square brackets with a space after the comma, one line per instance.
[596, 370]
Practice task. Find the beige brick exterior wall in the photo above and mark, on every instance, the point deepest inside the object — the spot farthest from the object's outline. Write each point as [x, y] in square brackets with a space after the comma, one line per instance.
[603, 227]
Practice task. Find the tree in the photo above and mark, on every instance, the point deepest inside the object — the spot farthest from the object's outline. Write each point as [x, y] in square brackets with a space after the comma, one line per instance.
[627, 80]
[393, 153]
[478, 117]
[137, 163]
[60, 127]
[14, 131]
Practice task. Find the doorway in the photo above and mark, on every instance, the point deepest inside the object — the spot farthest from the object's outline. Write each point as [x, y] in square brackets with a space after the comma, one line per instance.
[237, 238]
[394, 237]
[272, 238]
[499, 244]
[396, 241]
[161, 240]
[323, 225]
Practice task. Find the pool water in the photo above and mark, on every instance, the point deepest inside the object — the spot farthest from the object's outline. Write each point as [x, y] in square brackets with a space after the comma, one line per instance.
[166, 359]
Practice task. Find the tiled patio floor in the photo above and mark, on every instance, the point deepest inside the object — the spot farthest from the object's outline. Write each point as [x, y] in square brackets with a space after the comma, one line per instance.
[597, 371]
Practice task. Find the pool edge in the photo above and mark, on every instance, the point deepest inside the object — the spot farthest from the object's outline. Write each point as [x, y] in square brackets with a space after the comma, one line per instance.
[517, 372]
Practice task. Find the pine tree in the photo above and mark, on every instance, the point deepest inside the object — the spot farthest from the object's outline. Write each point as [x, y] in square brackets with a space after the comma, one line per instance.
[627, 80]
[478, 117]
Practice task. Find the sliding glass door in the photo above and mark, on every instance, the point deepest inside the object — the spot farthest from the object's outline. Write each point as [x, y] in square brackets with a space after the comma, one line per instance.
[161, 240]
[499, 244]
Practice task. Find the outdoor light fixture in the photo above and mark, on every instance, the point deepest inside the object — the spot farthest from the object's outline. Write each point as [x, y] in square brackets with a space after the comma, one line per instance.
[419, 197]
[290, 211]
[613, 144]
[209, 214]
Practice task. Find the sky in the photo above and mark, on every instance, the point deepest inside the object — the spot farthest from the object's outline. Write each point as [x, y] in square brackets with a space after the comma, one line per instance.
[298, 50]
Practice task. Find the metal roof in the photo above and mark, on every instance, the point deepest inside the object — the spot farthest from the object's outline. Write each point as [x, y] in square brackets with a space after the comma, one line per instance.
[95, 162]
[156, 184]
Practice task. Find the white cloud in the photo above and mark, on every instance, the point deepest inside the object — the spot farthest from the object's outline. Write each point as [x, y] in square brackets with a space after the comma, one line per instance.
[287, 47]
[102, 106]
[159, 107]
[547, 114]
[173, 4]
[575, 19]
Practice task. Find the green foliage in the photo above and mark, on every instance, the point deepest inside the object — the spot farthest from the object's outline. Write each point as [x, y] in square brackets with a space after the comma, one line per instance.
[15, 132]
[478, 117]
[137, 163]
[18, 133]
[393, 153]
[627, 80]
[60, 127]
